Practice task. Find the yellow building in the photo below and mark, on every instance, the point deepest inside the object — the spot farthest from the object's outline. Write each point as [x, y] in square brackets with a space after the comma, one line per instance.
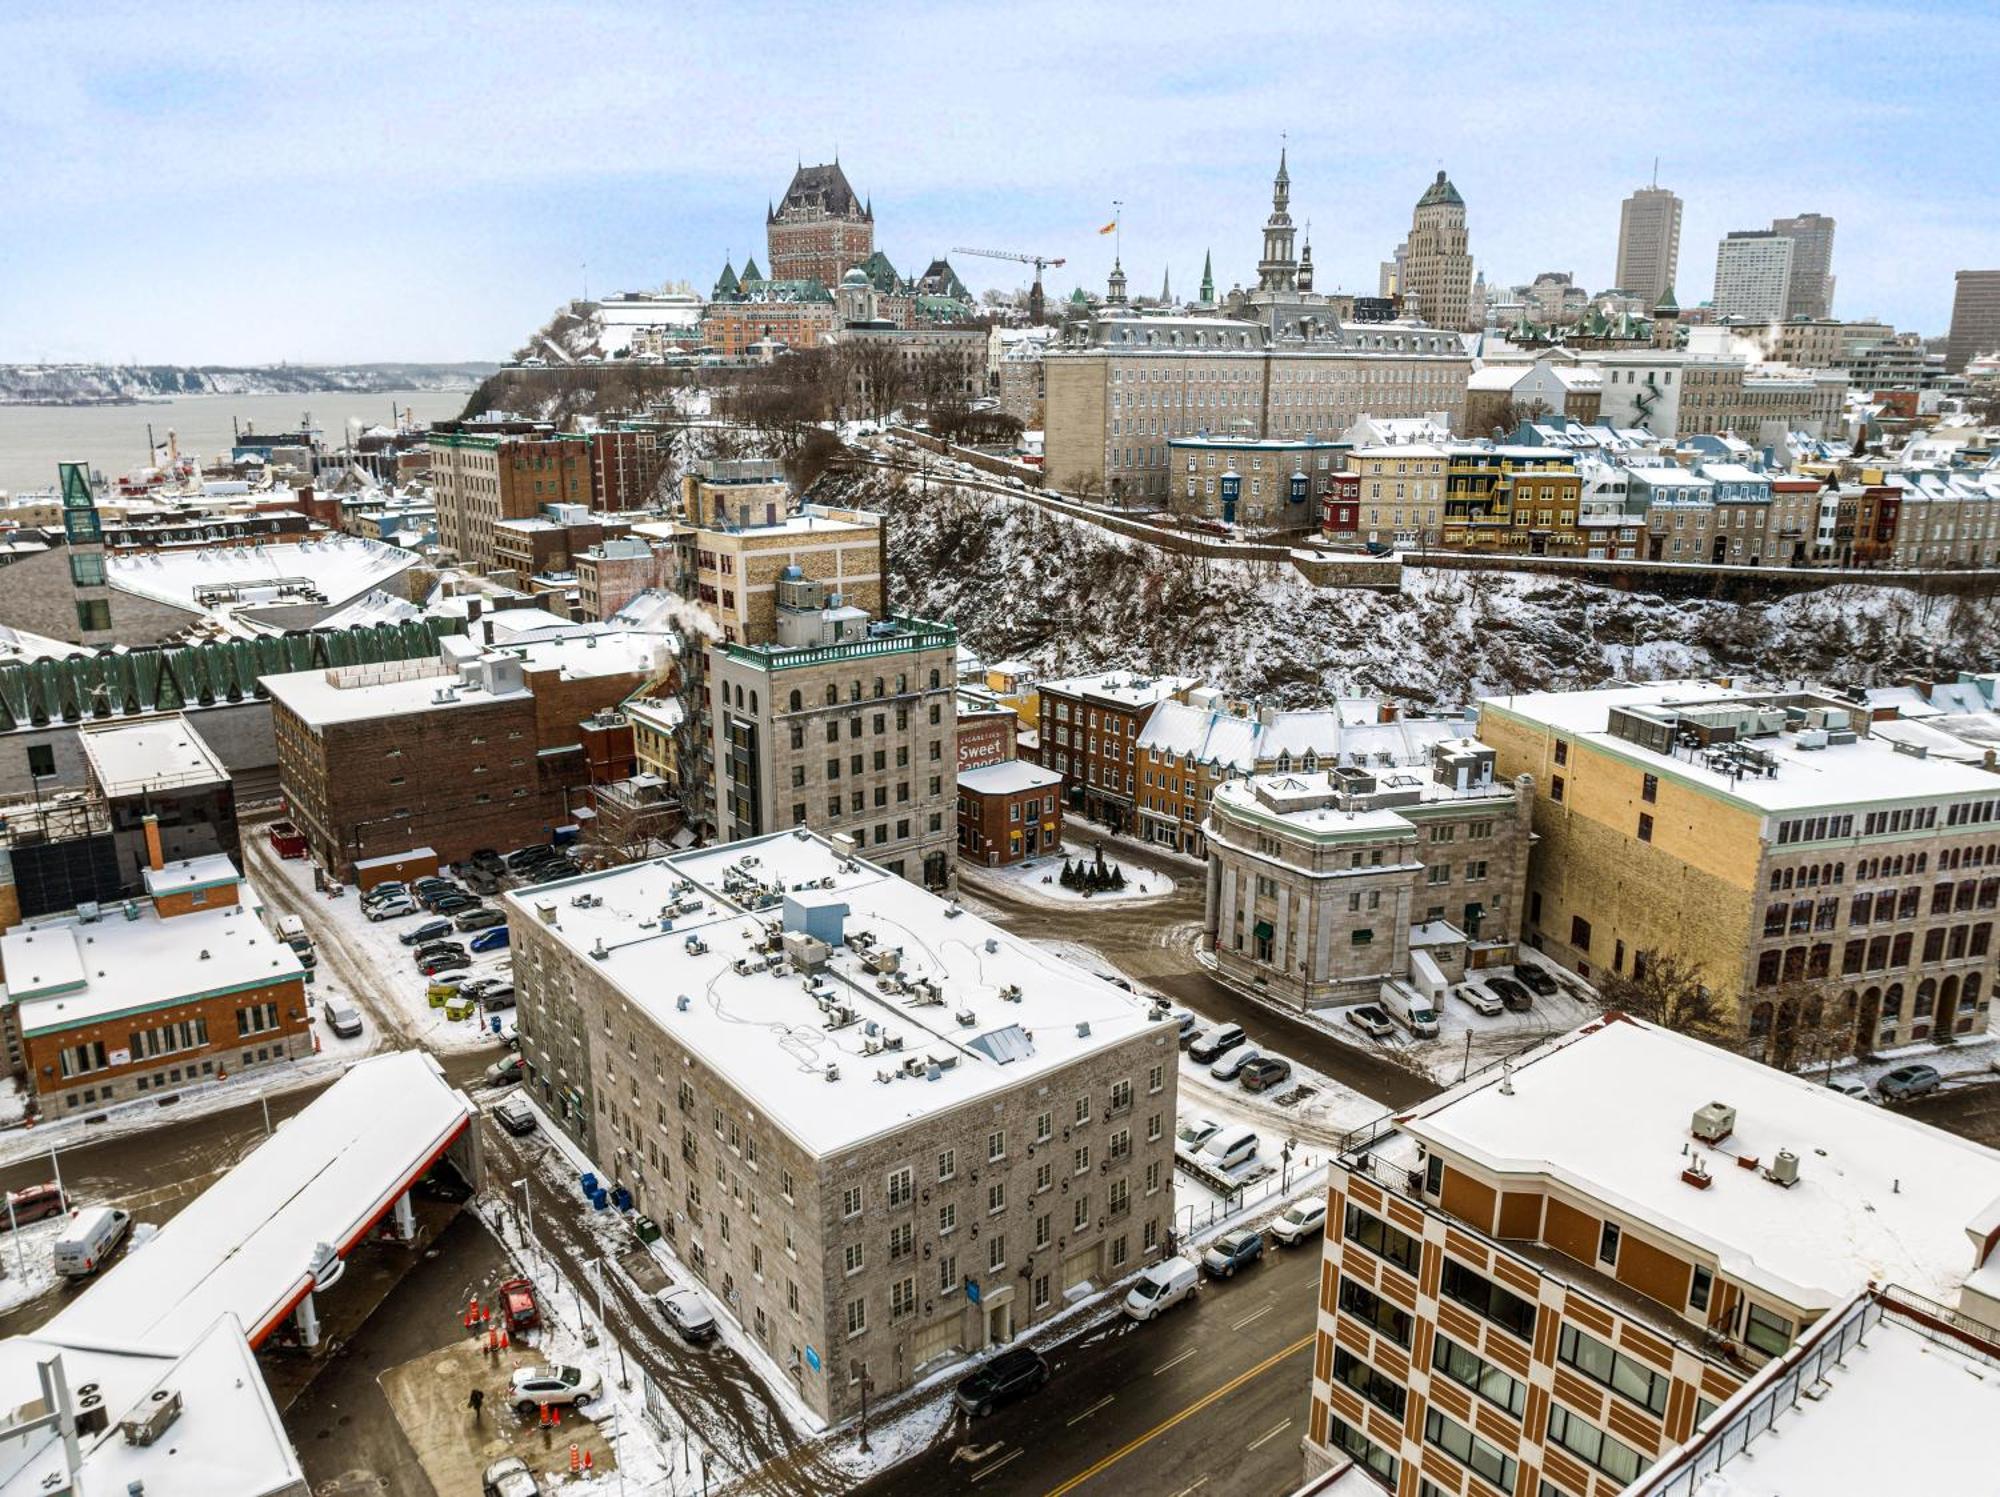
[1517, 499]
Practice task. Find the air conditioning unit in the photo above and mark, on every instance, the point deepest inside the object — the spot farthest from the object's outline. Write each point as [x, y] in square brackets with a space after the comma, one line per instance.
[1714, 1122]
[1784, 1169]
[161, 1408]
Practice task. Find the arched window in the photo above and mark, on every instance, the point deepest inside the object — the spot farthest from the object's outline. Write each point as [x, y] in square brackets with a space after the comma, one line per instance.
[934, 680]
[753, 702]
[832, 694]
[797, 701]
[879, 687]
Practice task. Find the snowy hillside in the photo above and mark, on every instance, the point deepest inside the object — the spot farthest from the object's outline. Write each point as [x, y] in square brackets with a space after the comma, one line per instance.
[101, 384]
[1069, 597]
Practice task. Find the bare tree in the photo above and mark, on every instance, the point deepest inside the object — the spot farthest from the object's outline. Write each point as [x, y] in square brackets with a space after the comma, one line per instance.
[873, 369]
[1669, 991]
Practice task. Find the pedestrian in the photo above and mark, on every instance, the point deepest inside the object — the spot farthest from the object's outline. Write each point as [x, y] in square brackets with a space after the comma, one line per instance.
[475, 1402]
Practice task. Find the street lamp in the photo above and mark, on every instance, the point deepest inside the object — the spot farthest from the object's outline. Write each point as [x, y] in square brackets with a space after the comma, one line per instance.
[862, 1369]
[603, 1266]
[528, 1202]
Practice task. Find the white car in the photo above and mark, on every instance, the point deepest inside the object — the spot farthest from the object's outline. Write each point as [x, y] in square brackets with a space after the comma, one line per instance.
[390, 909]
[1232, 1061]
[1299, 1221]
[1192, 1134]
[1482, 1001]
[688, 1315]
[531, 1387]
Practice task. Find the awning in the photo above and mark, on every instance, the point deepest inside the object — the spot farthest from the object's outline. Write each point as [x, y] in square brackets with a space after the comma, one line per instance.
[1264, 931]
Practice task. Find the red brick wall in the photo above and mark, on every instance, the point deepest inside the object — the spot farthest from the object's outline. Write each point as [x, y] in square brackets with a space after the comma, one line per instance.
[986, 738]
[986, 825]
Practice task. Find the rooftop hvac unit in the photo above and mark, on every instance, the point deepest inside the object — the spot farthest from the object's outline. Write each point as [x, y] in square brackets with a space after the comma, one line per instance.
[153, 1418]
[1011, 993]
[683, 1003]
[1812, 738]
[546, 908]
[1714, 1122]
[808, 953]
[833, 1073]
[966, 1018]
[1083, 1029]
[892, 1042]
[1784, 1169]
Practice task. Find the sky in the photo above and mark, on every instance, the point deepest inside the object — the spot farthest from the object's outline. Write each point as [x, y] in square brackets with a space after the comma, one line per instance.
[209, 182]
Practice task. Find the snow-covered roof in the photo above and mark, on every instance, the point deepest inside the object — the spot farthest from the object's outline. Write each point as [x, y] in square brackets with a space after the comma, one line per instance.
[156, 754]
[182, 874]
[833, 1088]
[64, 970]
[1606, 1111]
[341, 568]
[1009, 777]
[1866, 772]
[1120, 688]
[245, 1246]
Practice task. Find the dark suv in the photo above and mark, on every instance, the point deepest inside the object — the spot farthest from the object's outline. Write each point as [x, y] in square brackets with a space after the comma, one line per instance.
[1013, 1374]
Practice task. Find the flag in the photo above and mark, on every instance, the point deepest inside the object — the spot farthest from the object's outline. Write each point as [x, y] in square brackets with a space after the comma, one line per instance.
[1109, 228]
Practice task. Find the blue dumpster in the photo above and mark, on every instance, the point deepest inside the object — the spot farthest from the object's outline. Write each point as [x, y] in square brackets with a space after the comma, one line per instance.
[600, 1199]
[622, 1198]
[589, 1183]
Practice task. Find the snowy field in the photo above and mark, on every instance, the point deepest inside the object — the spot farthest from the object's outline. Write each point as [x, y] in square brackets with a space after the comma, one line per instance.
[1039, 880]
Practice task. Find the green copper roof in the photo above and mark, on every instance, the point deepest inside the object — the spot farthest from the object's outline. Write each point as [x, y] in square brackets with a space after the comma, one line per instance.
[1440, 191]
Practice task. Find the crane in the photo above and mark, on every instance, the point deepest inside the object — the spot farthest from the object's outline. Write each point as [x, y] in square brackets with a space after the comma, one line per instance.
[1040, 262]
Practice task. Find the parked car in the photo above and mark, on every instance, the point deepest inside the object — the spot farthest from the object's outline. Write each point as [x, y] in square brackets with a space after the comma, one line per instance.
[1905, 1082]
[1482, 1001]
[1231, 1251]
[1371, 1021]
[505, 1072]
[1535, 980]
[548, 873]
[1265, 1072]
[1185, 1022]
[1212, 1045]
[454, 904]
[516, 1116]
[1851, 1086]
[394, 889]
[1299, 1221]
[88, 1239]
[439, 948]
[494, 999]
[1192, 1134]
[443, 961]
[1233, 1061]
[481, 917]
[1191, 1035]
[390, 909]
[510, 1477]
[342, 1017]
[429, 931]
[519, 1305]
[1229, 1149]
[1161, 1287]
[687, 1314]
[1517, 998]
[491, 940]
[521, 858]
[34, 1203]
[1015, 1373]
[534, 1386]
[487, 859]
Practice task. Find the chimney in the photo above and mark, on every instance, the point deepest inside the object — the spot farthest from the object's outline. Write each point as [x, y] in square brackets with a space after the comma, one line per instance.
[155, 860]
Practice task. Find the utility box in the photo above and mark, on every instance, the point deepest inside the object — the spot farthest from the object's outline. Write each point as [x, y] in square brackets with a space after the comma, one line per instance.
[1714, 1122]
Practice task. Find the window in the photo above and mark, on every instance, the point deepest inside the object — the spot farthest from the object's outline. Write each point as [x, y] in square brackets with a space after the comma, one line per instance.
[1607, 1244]
[1363, 1449]
[1365, 1305]
[257, 1019]
[1645, 827]
[1555, 787]
[900, 1190]
[1699, 1288]
[1382, 1239]
[1481, 1295]
[857, 1316]
[1080, 1160]
[947, 1219]
[1121, 1096]
[1473, 1371]
[947, 1164]
[1616, 1371]
[1044, 1128]
[1045, 1176]
[1083, 1109]
[1377, 1387]
[850, 1201]
[1044, 1230]
[996, 1197]
[1579, 932]
[1768, 1332]
[996, 1145]
[1593, 1446]
[1649, 788]
[1562, 752]
[851, 1258]
[902, 1298]
[996, 1251]
[1080, 1218]
[900, 1241]
[1485, 1460]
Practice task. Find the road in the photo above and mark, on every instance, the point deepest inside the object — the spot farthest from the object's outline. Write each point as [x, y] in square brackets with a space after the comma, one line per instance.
[1209, 1398]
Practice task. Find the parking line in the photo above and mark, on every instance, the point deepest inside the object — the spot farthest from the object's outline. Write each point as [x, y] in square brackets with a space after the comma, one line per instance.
[1192, 1488]
[1176, 1361]
[1237, 1325]
[1079, 1418]
[985, 1471]
[1270, 1434]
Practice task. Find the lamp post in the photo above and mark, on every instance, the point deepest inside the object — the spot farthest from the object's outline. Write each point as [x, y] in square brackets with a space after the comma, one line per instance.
[528, 1204]
[865, 1380]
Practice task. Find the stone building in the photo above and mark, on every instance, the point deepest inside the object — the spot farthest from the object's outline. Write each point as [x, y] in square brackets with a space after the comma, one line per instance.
[1437, 260]
[1273, 484]
[480, 478]
[1802, 863]
[884, 1133]
[819, 230]
[1325, 885]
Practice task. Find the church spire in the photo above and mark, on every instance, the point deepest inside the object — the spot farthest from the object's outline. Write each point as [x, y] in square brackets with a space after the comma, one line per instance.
[1167, 286]
[1207, 278]
[1306, 261]
[1277, 271]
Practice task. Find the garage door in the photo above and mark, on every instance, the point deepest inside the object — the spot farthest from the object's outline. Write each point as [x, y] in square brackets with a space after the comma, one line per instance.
[1078, 1267]
[935, 1342]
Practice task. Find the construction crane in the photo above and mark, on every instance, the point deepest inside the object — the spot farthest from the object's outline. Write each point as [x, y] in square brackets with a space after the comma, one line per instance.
[1040, 262]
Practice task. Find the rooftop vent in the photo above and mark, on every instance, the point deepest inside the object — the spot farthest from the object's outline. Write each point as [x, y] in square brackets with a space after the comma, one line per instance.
[153, 1417]
[683, 1003]
[1784, 1169]
[1714, 1122]
[833, 1073]
[1083, 1029]
[966, 1017]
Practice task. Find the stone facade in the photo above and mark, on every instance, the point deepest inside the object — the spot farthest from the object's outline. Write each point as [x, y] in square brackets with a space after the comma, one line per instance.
[482, 478]
[1437, 259]
[820, 230]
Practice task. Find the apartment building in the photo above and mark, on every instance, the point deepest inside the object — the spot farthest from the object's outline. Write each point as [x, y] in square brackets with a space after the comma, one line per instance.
[1009, 811]
[478, 746]
[1753, 275]
[1769, 838]
[884, 1132]
[1324, 886]
[1649, 243]
[481, 477]
[1975, 318]
[1518, 499]
[1273, 484]
[1401, 492]
[842, 723]
[1569, 1276]
[1121, 385]
[1090, 727]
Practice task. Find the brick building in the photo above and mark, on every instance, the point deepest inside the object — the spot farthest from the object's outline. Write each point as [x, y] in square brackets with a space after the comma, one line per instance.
[819, 230]
[729, 328]
[545, 544]
[989, 730]
[1802, 863]
[1089, 735]
[1007, 812]
[615, 571]
[872, 1187]
[109, 1003]
[479, 747]
[626, 462]
[1558, 1278]
[480, 478]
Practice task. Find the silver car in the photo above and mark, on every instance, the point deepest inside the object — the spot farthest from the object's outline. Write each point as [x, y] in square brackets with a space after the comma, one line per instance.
[1232, 1061]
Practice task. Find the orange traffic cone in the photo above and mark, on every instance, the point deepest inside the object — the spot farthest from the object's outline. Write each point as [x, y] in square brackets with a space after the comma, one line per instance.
[586, 1460]
[503, 1338]
[545, 1415]
[492, 1341]
[575, 1459]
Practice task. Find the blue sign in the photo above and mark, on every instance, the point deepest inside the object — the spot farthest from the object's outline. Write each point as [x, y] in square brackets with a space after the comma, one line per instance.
[972, 1290]
[812, 1359]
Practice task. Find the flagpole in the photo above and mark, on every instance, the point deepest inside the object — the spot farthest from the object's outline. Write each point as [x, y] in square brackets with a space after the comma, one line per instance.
[1118, 231]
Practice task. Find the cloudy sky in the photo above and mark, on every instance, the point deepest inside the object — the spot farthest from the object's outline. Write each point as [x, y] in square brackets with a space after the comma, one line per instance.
[218, 182]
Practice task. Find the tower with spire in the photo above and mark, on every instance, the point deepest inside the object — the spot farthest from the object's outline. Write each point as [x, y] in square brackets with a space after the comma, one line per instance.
[1306, 262]
[1115, 289]
[1207, 298]
[1278, 270]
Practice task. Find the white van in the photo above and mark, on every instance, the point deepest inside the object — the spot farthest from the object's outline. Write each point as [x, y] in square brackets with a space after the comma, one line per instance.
[1411, 1009]
[88, 1239]
[1230, 1148]
[1161, 1287]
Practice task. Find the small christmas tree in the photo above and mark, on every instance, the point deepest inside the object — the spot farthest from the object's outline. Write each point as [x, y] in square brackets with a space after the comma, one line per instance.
[1117, 877]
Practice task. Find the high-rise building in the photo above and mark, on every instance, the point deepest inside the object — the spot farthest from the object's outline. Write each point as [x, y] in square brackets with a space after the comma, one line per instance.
[1437, 266]
[820, 230]
[1975, 319]
[1753, 275]
[1649, 243]
[1810, 292]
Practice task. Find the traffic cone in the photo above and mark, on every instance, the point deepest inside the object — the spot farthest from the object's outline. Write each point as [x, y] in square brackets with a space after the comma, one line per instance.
[586, 1460]
[575, 1459]
[503, 1338]
[545, 1415]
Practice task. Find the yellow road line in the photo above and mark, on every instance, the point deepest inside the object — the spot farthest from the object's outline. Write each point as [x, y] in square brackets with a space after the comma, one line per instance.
[1187, 1413]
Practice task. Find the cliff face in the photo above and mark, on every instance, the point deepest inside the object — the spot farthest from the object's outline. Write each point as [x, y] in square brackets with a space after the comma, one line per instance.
[113, 384]
[1022, 583]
